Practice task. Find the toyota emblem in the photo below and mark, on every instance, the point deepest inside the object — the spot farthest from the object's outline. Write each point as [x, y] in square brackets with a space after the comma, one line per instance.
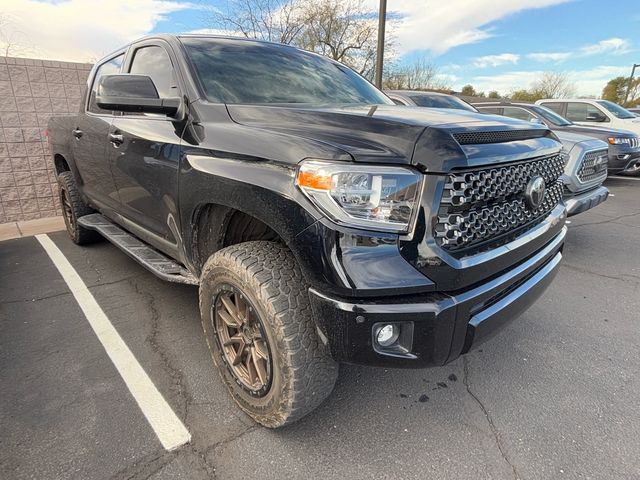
[535, 191]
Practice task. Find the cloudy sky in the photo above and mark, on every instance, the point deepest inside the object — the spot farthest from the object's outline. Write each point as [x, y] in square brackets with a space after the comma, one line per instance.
[493, 44]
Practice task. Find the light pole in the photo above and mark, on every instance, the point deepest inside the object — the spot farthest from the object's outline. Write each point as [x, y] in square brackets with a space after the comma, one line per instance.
[633, 70]
[382, 18]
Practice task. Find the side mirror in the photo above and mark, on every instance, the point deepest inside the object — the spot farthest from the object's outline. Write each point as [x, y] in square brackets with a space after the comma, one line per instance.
[595, 117]
[133, 93]
[536, 120]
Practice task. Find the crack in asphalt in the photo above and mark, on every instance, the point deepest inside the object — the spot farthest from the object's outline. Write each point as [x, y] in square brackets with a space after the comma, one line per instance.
[176, 375]
[630, 278]
[494, 430]
[62, 294]
[609, 220]
[177, 380]
[33, 300]
[85, 254]
[146, 466]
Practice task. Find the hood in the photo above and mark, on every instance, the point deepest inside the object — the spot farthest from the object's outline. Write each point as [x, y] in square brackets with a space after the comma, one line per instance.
[570, 139]
[388, 133]
[599, 131]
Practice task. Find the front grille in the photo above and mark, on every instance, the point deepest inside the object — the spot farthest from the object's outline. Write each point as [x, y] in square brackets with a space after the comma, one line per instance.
[497, 136]
[479, 205]
[635, 142]
[594, 166]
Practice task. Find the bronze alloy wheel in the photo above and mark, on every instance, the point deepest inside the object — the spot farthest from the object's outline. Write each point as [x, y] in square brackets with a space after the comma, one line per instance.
[67, 210]
[242, 340]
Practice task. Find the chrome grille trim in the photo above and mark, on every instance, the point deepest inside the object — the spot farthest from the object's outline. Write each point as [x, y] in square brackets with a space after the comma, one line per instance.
[482, 204]
[590, 169]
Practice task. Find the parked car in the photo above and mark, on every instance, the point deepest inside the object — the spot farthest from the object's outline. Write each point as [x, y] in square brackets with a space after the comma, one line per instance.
[585, 170]
[624, 145]
[594, 112]
[322, 223]
[428, 99]
[586, 166]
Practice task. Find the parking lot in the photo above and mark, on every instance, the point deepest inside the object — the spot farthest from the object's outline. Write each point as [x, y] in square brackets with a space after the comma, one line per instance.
[555, 395]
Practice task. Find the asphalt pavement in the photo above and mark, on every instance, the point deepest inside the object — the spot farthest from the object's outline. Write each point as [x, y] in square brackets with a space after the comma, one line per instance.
[556, 395]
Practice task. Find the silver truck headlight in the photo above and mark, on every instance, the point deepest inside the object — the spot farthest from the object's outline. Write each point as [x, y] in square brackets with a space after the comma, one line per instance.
[364, 196]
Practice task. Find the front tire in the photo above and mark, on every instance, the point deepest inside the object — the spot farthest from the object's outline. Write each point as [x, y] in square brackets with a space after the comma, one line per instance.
[258, 324]
[73, 208]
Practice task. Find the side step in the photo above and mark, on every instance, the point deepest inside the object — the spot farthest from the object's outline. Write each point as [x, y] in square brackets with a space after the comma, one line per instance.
[148, 257]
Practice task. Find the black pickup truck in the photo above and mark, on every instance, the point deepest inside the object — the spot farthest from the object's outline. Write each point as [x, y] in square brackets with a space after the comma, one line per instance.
[322, 223]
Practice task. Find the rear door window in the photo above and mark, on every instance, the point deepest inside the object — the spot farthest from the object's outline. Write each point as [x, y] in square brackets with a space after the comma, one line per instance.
[519, 113]
[555, 106]
[491, 110]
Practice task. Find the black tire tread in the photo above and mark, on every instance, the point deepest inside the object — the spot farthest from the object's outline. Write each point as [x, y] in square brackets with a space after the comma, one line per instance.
[81, 236]
[271, 270]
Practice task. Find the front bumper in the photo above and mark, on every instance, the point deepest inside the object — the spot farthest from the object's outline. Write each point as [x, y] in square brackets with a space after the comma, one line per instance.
[628, 162]
[584, 201]
[441, 326]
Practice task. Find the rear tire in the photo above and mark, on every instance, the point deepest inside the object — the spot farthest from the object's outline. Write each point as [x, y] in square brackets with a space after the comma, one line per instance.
[291, 372]
[73, 208]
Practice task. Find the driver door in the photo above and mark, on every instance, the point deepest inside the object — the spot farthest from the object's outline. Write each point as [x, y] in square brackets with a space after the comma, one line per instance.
[144, 153]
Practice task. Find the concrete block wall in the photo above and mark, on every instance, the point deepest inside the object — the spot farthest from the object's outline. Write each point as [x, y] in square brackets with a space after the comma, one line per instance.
[31, 91]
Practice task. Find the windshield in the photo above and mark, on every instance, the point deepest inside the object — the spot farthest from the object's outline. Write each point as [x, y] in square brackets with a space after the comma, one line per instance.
[441, 101]
[616, 109]
[551, 116]
[249, 72]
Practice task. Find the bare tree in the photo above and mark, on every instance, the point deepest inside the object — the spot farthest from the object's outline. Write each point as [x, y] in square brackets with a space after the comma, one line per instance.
[12, 41]
[271, 20]
[419, 75]
[341, 30]
[554, 85]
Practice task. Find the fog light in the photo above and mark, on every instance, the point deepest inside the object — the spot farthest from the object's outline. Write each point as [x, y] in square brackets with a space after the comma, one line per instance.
[388, 335]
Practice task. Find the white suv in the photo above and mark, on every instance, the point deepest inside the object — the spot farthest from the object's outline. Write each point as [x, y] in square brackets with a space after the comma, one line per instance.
[593, 112]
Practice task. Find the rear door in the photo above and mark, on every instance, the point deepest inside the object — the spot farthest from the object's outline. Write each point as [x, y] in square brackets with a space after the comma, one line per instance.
[89, 145]
[144, 152]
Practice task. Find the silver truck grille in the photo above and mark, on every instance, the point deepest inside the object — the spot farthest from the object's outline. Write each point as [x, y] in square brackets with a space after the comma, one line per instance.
[479, 205]
[594, 166]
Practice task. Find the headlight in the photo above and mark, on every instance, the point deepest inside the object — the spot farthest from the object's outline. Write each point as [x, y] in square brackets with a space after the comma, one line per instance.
[365, 196]
[619, 140]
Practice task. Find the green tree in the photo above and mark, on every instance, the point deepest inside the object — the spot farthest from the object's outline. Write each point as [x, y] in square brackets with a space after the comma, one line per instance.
[616, 89]
[493, 94]
[469, 91]
[525, 95]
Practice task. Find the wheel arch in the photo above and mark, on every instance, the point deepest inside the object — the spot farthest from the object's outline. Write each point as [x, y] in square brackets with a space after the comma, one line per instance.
[60, 163]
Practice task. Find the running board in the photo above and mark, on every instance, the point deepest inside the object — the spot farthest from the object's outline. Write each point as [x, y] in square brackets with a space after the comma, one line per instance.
[148, 257]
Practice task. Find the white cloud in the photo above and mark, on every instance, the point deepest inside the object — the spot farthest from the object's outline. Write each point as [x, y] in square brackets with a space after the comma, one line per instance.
[555, 57]
[83, 30]
[439, 26]
[496, 60]
[615, 46]
[504, 82]
[588, 82]
[612, 46]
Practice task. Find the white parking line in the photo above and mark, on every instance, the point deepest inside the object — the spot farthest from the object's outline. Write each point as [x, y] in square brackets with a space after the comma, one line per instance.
[170, 430]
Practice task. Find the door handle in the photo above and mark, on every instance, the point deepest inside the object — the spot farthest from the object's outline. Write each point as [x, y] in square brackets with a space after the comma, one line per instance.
[116, 139]
[77, 132]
